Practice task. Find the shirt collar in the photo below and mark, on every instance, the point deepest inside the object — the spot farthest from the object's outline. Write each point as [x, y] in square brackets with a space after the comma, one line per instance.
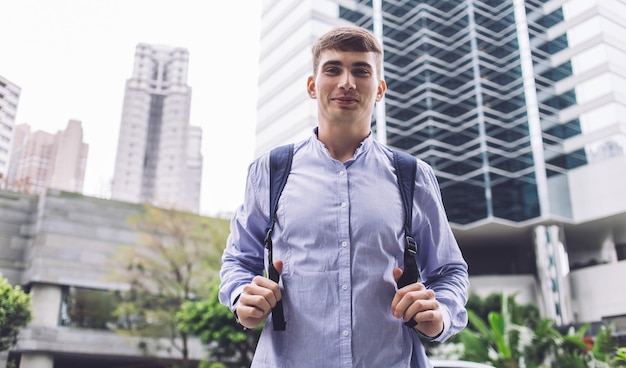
[363, 147]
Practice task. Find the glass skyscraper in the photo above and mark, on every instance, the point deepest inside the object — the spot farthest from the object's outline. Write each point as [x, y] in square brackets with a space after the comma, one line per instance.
[471, 91]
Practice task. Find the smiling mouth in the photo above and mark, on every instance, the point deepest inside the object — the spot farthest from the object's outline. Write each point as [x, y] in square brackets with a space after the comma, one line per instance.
[345, 100]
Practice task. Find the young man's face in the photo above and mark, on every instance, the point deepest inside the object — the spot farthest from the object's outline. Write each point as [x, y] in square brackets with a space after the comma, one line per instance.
[346, 86]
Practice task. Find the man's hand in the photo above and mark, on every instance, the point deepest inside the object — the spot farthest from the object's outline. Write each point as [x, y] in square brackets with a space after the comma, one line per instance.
[257, 299]
[417, 302]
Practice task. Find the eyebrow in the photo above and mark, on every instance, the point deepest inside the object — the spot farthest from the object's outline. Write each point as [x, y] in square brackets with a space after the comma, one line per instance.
[361, 64]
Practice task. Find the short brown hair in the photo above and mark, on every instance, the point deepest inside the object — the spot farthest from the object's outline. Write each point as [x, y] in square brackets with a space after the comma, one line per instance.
[348, 39]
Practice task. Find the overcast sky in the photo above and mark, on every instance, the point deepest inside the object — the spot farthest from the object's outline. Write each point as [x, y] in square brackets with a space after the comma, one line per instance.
[72, 58]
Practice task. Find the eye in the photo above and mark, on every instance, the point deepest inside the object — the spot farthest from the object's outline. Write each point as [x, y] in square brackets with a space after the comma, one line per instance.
[332, 71]
[361, 72]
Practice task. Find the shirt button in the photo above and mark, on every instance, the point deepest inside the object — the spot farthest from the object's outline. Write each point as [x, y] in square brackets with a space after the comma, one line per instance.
[346, 333]
[344, 205]
[344, 244]
[344, 287]
[342, 173]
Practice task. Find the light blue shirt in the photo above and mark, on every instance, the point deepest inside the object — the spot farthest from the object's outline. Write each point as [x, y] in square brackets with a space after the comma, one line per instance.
[339, 232]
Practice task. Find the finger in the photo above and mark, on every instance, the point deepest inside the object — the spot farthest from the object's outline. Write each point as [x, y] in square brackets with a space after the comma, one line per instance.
[421, 310]
[407, 303]
[264, 288]
[250, 317]
[400, 293]
[271, 285]
[278, 265]
[251, 311]
[397, 273]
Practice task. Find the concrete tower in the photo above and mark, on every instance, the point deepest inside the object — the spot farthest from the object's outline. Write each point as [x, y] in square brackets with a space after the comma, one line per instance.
[158, 153]
[42, 160]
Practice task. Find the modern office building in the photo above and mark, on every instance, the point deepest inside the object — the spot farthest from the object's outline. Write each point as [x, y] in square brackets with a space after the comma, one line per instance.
[42, 160]
[9, 99]
[158, 160]
[518, 105]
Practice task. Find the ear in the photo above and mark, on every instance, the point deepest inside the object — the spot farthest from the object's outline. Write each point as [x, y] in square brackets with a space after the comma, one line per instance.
[310, 87]
[382, 87]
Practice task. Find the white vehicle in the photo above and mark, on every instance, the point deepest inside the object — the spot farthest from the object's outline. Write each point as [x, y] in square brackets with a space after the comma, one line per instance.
[457, 364]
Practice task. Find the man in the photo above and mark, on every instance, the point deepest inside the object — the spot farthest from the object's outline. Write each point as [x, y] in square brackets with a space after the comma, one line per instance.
[338, 242]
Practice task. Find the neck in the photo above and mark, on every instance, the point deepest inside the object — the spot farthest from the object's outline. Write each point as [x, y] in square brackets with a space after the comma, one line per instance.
[340, 141]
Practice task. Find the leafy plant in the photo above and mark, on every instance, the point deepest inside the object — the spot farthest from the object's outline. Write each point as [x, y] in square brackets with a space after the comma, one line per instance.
[620, 357]
[507, 339]
[14, 312]
[495, 341]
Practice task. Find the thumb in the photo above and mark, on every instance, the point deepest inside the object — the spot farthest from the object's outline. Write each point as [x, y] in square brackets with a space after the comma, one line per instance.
[397, 273]
[278, 265]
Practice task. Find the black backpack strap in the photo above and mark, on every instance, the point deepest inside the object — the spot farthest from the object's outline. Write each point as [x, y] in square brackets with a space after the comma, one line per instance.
[280, 166]
[405, 165]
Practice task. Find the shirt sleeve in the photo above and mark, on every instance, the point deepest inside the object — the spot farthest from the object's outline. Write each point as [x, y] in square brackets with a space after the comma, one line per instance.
[439, 257]
[243, 257]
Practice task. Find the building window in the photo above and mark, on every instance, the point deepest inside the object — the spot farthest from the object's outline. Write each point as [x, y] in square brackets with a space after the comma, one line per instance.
[87, 308]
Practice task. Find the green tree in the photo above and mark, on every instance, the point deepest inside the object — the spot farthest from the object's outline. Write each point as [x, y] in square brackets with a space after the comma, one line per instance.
[216, 327]
[14, 312]
[177, 256]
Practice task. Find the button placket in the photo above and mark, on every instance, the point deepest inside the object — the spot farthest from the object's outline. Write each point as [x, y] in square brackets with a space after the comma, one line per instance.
[343, 282]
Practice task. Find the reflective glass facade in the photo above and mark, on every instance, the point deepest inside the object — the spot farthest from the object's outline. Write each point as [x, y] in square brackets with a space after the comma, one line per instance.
[458, 98]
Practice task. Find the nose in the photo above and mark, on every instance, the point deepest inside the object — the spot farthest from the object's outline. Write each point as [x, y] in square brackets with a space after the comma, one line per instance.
[346, 81]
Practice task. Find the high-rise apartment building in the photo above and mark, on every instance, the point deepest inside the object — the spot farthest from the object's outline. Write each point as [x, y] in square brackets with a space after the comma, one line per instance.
[518, 105]
[158, 153]
[9, 98]
[43, 160]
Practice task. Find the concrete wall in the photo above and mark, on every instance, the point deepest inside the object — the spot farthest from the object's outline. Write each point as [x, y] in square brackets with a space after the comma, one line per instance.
[525, 286]
[45, 303]
[18, 213]
[67, 340]
[604, 182]
[599, 291]
[75, 239]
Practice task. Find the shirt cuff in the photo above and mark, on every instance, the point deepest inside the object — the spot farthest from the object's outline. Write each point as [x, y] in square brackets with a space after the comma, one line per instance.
[234, 297]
